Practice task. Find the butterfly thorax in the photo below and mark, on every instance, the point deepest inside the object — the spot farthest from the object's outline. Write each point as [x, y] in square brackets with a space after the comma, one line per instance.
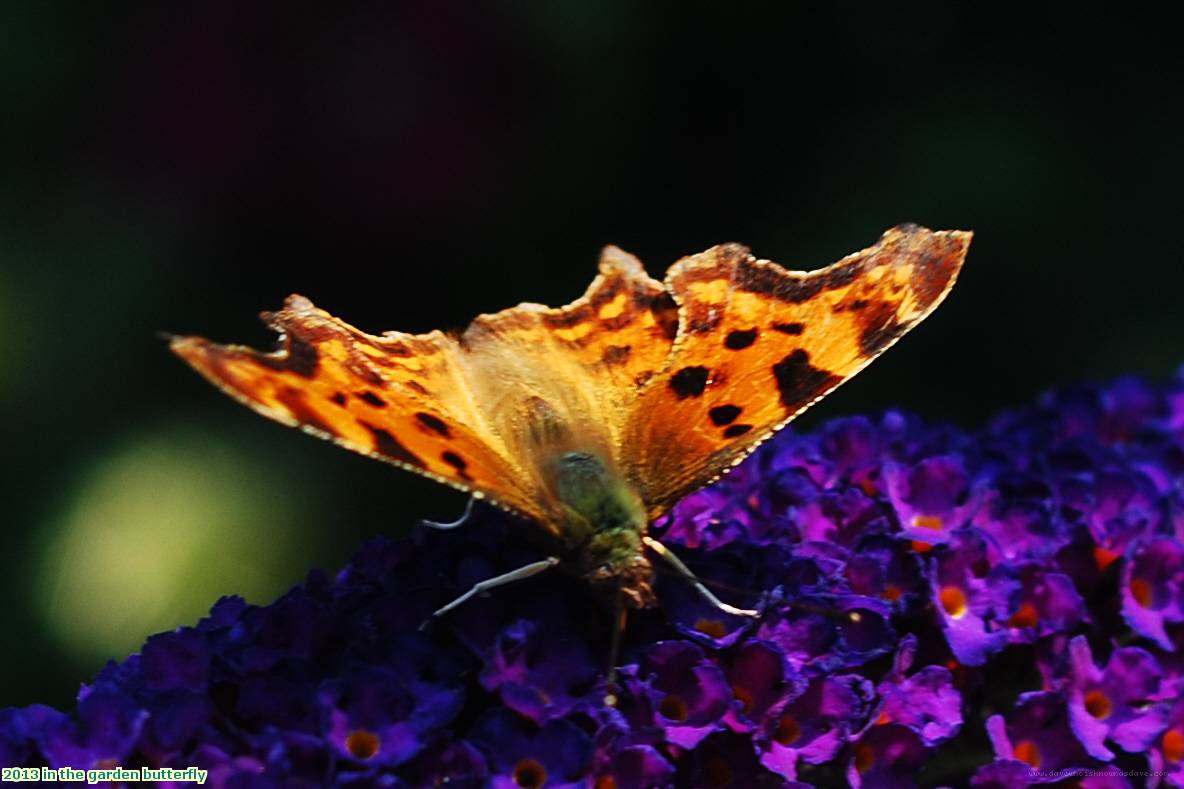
[604, 521]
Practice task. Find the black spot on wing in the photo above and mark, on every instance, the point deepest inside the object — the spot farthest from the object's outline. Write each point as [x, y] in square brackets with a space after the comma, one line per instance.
[665, 312]
[724, 414]
[689, 382]
[434, 424]
[387, 445]
[857, 305]
[293, 400]
[339, 398]
[878, 327]
[789, 328]
[458, 463]
[736, 430]
[740, 339]
[416, 386]
[372, 399]
[616, 354]
[799, 382]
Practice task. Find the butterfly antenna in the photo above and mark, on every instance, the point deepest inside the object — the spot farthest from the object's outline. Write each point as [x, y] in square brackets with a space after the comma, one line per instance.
[710, 582]
[694, 581]
[480, 588]
[813, 608]
[620, 616]
[461, 521]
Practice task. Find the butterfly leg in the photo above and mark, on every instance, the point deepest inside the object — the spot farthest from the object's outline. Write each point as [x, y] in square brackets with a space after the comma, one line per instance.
[686, 573]
[526, 571]
[461, 521]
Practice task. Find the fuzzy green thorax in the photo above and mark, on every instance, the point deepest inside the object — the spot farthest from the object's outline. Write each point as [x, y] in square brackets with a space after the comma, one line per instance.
[605, 523]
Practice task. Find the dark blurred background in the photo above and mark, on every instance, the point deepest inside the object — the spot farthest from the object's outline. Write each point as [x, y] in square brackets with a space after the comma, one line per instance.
[409, 165]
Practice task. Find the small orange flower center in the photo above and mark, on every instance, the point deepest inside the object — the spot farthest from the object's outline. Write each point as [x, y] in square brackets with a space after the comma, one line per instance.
[1027, 752]
[932, 522]
[1173, 745]
[529, 774]
[361, 744]
[868, 486]
[1141, 591]
[884, 718]
[1104, 557]
[716, 773]
[865, 757]
[605, 782]
[892, 593]
[953, 600]
[1098, 704]
[1026, 616]
[744, 697]
[788, 730]
[921, 547]
[673, 708]
[711, 627]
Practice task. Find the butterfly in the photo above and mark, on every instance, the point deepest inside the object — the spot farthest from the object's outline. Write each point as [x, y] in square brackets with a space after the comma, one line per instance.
[593, 419]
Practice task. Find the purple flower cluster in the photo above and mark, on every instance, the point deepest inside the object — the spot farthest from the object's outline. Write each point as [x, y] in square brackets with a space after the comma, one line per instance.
[995, 609]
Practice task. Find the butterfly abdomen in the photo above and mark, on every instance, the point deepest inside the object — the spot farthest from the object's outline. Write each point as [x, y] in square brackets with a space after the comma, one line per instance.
[605, 521]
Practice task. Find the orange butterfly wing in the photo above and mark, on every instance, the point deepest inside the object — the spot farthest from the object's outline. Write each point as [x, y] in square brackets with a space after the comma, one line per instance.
[674, 383]
[397, 397]
[758, 344]
[481, 412]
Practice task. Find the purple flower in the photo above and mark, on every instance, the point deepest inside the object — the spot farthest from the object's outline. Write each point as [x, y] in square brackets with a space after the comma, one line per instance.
[458, 765]
[1037, 733]
[108, 725]
[923, 590]
[886, 757]
[761, 678]
[176, 718]
[524, 755]
[1153, 588]
[14, 737]
[678, 693]
[539, 674]
[1167, 755]
[815, 726]
[633, 767]
[887, 568]
[925, 702]
[960, 585]
[932, 499]
[1118, 703]
[724, 760]
[376, 716]
[1018, 513]
[1034, 602]
[180, 659]
[826, 634]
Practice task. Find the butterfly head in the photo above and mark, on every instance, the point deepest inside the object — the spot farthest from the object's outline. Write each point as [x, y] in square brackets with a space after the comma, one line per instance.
[606, 520]
[616, 563]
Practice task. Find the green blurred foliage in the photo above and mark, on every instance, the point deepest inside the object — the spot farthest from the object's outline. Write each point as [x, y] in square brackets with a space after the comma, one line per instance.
[180, 167]
[159, 527]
